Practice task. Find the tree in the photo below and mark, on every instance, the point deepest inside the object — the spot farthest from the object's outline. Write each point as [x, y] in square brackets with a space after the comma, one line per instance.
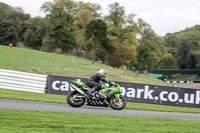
[170, 41]
[17, 17]
[125, 28]
[117, 14]
[116, 20]
[84, 13]
[121, 56]
[38, 26]
[96, 34]
[60, 18]
[150, 50]
[30, 39]
[49, 43]
[11, 20]
[187, 47]
[197, 65]
[167, 62]
[184, 46]
[7, 34]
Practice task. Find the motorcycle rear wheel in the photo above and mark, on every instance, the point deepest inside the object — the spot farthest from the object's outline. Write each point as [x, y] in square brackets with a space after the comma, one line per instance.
[74, 100]
[117, 103]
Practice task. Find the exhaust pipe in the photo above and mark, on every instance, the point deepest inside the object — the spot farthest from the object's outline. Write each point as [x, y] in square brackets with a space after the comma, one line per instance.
[78, 90]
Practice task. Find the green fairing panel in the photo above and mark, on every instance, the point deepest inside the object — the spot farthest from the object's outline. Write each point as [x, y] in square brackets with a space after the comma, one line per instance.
[107, 89]
[118, 90]
[103, 86]
[118, 95]
[114, 89]
[79, 84]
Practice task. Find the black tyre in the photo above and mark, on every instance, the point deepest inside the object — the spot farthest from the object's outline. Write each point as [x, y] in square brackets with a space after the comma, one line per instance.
[75, 99]
[117, 103]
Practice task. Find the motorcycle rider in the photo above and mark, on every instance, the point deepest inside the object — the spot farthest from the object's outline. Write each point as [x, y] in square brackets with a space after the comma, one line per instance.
[94, 81]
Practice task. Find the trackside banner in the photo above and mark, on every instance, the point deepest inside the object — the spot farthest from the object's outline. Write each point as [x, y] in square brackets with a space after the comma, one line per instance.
[133, 92]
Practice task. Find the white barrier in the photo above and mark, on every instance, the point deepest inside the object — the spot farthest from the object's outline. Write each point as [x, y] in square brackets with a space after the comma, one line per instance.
[22, 81]
[174, 82]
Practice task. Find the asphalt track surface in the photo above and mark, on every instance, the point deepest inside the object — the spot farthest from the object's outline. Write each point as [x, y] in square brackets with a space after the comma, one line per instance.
[29, 105]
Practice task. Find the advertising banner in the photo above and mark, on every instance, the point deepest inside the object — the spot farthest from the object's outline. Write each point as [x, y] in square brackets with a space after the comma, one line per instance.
[133, 92]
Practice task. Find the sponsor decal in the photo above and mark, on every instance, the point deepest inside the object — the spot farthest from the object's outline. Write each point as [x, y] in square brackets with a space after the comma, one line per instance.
[136, 92]
[103, 95]
[163, 96]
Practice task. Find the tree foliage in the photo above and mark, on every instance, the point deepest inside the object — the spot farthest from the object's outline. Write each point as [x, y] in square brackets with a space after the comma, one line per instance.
[125, 28]
[186, 49]
[84, 13]
[167, 62]
[116, 20]
[11, 20]
[30, 39]
[96, 34]
[7, 28]
[150, 50]
[60, 18]
[121, 56]
[184, 46]
[38, 26]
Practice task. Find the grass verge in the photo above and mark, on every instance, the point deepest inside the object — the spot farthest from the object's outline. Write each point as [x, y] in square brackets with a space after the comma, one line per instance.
[18, 121]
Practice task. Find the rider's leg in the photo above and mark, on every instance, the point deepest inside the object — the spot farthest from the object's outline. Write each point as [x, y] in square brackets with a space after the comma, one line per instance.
[93, 89]
[93, 86]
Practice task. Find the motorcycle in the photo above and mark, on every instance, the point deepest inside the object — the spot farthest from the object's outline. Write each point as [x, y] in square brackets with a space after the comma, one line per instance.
[109, 95]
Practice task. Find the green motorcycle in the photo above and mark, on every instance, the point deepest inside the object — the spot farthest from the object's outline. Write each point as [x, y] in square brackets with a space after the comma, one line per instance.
[110, 95]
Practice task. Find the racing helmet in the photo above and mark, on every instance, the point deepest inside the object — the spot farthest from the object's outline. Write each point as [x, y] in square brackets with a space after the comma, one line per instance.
[102, 72]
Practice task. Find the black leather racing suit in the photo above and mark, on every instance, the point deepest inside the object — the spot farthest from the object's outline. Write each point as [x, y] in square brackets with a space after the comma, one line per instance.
[94, 81]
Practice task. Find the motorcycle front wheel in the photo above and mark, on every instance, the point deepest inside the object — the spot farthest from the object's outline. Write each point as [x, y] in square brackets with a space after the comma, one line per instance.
[75, 99]
[117, 103]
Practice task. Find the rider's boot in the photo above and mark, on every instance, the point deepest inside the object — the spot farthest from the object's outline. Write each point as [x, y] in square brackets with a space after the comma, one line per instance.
[92, 90]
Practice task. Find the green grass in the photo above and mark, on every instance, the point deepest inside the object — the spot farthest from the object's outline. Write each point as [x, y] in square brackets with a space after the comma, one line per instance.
[52, 98]
[31, 96]
[33, 61]
[17, 121]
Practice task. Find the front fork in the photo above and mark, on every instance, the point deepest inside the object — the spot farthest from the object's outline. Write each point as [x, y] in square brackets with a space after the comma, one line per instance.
[117, 99]
[117, 96]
